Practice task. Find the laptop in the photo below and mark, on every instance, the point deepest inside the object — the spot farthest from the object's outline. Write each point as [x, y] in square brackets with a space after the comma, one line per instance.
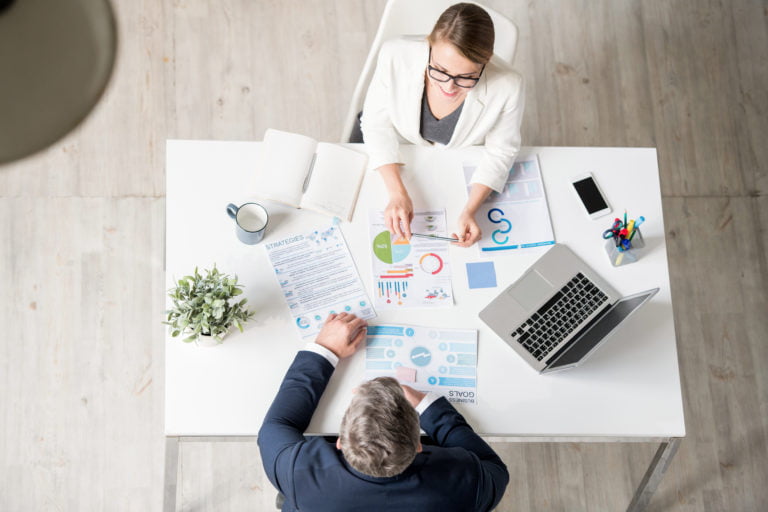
[559, 311]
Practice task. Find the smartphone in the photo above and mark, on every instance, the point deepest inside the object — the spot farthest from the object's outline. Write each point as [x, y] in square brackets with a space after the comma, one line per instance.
[591, 196]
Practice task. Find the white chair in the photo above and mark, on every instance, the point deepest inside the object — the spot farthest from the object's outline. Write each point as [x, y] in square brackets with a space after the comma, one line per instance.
[416, 18]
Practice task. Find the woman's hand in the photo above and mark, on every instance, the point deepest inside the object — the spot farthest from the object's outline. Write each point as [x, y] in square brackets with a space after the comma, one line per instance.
[468, 232]
[398, 215]
[399, 212]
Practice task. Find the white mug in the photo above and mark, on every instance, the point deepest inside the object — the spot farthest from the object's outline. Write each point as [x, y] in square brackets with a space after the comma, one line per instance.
[251, 221]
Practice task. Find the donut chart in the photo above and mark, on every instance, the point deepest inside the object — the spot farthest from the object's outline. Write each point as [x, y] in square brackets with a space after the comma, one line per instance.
[431, 263]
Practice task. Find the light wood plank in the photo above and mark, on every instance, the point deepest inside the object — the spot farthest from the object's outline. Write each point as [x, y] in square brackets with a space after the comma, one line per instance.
[82, 370]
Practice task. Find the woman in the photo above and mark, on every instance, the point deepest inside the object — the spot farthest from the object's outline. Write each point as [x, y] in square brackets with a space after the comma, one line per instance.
[445, 91]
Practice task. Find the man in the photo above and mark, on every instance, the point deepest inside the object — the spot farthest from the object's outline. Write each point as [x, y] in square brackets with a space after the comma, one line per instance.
[378, 462]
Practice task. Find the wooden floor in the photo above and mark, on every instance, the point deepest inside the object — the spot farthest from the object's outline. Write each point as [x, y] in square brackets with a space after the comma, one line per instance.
[81, 237]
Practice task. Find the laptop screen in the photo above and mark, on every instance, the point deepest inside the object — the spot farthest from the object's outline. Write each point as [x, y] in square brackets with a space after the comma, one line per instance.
[607, 323]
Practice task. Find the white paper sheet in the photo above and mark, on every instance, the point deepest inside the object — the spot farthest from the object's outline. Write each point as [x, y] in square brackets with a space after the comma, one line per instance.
[412, 273]
[318, 277]
[519, 216]
[444, 360]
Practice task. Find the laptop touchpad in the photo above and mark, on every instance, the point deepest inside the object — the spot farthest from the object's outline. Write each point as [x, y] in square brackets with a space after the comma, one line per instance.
[531, 291]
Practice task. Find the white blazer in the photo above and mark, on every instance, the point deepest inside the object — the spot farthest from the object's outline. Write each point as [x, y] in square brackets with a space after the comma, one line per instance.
[491, 116]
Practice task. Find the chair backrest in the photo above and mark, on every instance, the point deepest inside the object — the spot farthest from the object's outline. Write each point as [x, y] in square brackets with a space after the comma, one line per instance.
[416, 18]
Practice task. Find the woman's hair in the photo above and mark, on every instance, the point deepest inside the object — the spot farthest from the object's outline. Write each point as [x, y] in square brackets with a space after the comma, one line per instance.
[469, 28]
[380, 433]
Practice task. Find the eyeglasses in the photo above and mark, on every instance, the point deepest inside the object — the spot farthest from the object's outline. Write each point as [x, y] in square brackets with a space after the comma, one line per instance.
[464, 82]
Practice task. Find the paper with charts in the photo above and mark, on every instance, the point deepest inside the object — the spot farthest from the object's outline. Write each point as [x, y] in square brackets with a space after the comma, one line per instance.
[318, 277]
[411, 274]
[518, 217]
[425, 358]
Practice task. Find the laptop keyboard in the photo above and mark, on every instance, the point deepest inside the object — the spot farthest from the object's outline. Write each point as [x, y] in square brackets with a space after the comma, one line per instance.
[561, 314]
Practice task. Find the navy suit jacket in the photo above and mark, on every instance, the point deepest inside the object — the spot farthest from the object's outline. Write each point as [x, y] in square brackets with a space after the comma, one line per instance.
[461, 473]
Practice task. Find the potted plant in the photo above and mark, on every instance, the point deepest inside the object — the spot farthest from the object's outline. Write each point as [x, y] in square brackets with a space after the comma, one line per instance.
[203, 306]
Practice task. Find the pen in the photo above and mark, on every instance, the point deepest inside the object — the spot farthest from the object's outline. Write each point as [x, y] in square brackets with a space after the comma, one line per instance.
[435, 237]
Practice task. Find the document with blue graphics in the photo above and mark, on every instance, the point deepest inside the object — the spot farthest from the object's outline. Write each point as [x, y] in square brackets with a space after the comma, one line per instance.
[425, 358]
[518, 217]
[318, 277]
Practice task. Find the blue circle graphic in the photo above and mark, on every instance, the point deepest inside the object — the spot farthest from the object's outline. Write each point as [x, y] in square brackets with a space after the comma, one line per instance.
[443, 346]
[421, 356]
[347, 308]
[302, 322]
[398, 342]
[443, 369]
[390, 353]
[409, 332]
[451, 358]
[432, 380]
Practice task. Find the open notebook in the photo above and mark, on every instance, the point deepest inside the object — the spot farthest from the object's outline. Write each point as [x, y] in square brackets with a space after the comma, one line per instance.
[299, 171]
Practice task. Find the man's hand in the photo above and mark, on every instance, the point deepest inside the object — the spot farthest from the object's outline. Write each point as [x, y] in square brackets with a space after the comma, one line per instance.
[342, 334]
[468, 230]
[413, 396]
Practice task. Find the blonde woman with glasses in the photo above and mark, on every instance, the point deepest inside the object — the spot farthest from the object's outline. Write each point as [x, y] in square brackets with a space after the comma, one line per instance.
[446, 91]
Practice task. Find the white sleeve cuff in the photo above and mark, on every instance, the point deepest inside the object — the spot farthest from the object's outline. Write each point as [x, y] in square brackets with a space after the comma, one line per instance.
[319, 349]
[426, 402]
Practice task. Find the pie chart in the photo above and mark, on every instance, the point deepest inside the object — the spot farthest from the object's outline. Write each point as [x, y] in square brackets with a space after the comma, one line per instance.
[388, 251]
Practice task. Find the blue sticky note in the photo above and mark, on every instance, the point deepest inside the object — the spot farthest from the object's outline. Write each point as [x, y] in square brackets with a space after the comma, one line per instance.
[481, 274]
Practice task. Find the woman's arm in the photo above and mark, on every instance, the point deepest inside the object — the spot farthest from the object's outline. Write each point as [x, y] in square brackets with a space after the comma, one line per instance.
[503, 140]
[399, 211]
[382, 143]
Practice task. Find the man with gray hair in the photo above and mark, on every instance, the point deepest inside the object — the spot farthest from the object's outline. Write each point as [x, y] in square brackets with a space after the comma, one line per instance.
[378, 462]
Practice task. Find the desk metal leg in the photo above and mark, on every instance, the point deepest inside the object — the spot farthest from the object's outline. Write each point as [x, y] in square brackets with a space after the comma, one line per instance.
[171, 473]
[655, 473]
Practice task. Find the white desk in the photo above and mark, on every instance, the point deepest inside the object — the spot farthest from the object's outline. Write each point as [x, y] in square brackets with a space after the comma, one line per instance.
[629, 390]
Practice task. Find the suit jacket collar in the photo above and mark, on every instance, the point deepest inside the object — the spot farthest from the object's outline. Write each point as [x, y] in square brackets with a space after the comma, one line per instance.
[415, 93]
[415, 466]
[474, 103]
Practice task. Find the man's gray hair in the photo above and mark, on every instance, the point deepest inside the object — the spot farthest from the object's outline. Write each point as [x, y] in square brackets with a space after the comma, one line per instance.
[380, 430]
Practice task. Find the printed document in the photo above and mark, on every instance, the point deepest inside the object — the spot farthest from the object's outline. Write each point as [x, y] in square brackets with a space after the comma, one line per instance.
[411, 273]
[425, 358]
[518, 217]
[318, 277]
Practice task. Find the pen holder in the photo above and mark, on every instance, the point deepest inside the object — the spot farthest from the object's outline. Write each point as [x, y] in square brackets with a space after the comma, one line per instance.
[620, 256]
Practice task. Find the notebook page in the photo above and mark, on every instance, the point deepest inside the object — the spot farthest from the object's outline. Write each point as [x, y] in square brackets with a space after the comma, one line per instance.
[335, 181]
[284, 166]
